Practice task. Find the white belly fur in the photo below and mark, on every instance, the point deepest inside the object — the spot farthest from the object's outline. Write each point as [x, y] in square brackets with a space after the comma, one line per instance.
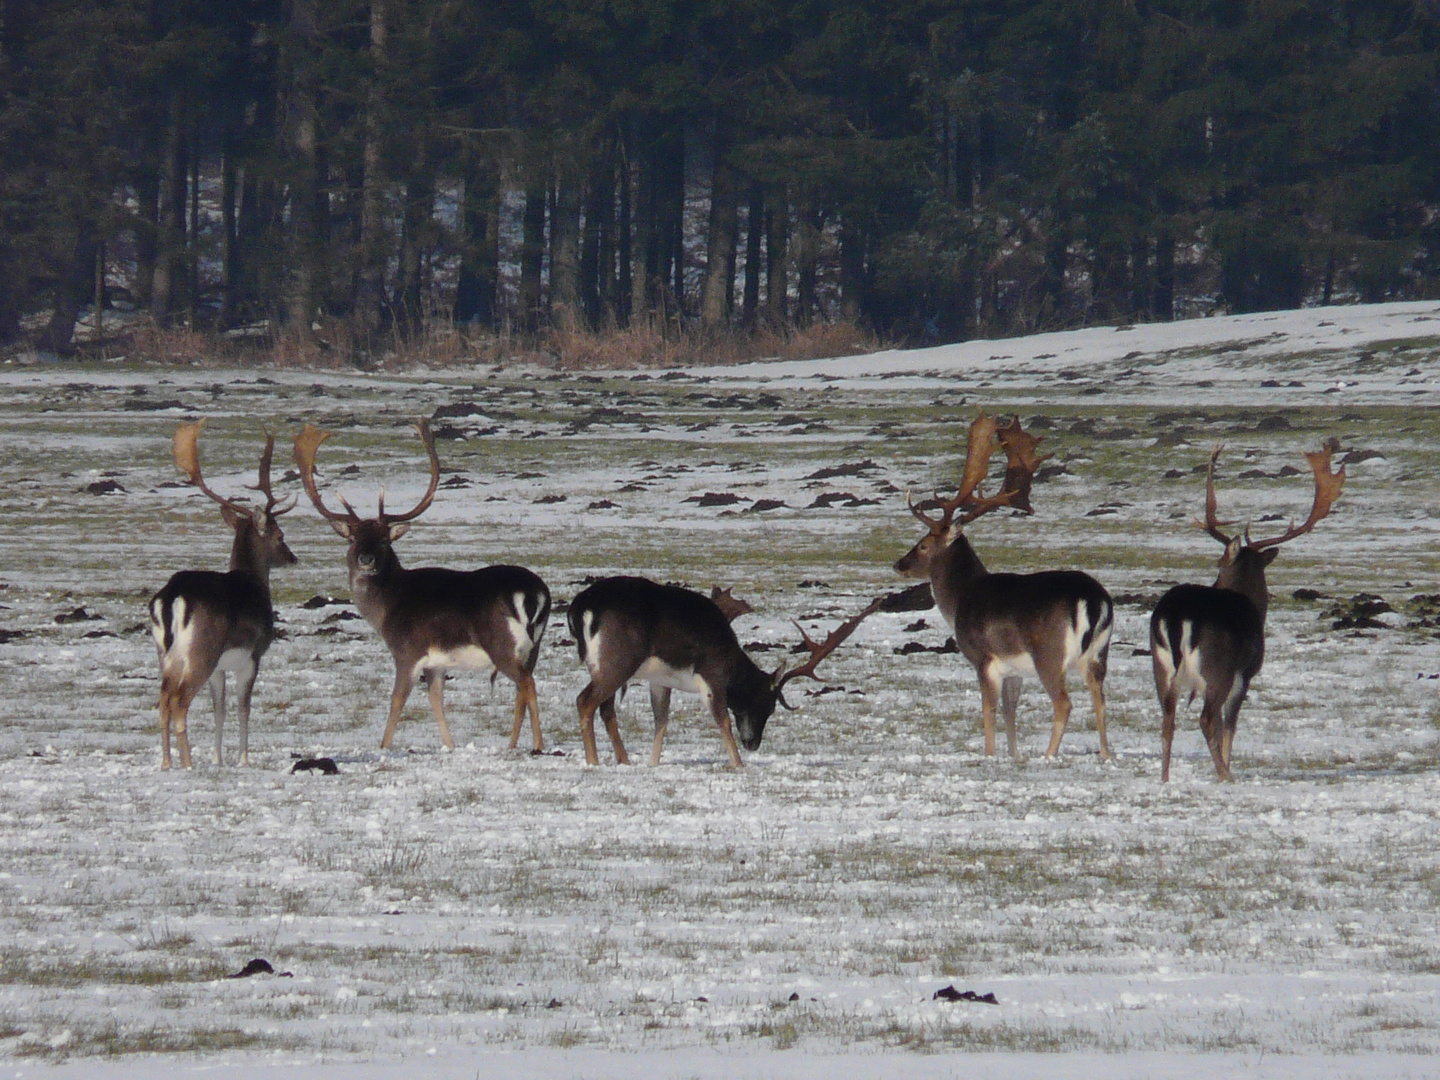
[658, 673]
[469, 657]
[235, 660]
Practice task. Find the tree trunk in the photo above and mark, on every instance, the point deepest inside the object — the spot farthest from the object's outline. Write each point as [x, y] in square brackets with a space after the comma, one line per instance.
[229, 249]
[777, 257]
[170, 216]
[303, 294]
[670, 223]
[717, 292]
[620, 300]
[369, 302]
[645, 247]
[565, 309]
[807, 258]
[192, 240]
[852, 269]
[532, 254]
[597, 254]
[754, 245]
[1163, 307]
[480, 252]
[409, 304]
[76, 280]
[147, 221]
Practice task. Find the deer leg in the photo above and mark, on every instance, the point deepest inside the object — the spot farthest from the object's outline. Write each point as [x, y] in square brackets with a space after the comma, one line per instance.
[245, 689]
[435, 683]
[179, 716]
[217, 700]
[1095, 681]
[721, 713]
[660, 706]
[1210, 724]
[612, 728]
[526, 700]
[1168, 704]
[587, 703]
[167, 697]
[1009, 702]
[404, 680]
[989, 698]
[1231, 719]
[1053, 679]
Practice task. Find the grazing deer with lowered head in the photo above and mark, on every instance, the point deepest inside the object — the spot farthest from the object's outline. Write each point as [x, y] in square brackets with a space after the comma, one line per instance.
[433, 619]
[206, 623]
[1012, 625]
[631, 627]
[1210, 639]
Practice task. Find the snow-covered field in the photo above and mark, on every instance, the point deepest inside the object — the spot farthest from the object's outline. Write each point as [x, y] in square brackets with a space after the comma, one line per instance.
[485, 912]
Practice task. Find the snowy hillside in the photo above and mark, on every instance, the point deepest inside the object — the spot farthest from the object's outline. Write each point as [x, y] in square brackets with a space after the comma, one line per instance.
[485, 912]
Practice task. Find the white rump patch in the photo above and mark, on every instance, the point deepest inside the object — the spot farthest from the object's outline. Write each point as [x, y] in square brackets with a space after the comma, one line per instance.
[519, 632]
[1185, 679]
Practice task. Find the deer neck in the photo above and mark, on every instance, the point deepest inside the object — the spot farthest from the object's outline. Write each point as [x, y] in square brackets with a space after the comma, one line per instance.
[1246, 576]
[954, 571]
[374, 591]
[248, 555]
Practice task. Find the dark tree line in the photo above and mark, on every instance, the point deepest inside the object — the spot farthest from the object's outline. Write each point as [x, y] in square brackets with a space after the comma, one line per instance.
[932, 170]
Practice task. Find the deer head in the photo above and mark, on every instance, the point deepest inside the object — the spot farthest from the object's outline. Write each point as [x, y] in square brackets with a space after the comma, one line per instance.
[370, 538]
[1243, 562]
[259, 521]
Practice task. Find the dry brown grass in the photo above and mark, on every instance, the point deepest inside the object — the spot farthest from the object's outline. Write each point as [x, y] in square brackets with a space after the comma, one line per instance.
[440, 344]
[652, 346]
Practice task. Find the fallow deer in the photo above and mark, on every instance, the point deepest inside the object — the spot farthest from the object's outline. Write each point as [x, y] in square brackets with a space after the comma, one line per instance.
[1210, 640]
[433, 619]
[1011, 625]
[206, 623]
[631, 627]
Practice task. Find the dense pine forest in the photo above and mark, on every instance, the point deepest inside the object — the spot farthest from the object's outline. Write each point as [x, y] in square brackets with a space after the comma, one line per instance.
[353, 177]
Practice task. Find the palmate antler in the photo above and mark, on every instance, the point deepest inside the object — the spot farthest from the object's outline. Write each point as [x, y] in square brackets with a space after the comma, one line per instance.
[186, 445]
[1021, 464]
[307, 444]
[1328, 485]
[819, 650]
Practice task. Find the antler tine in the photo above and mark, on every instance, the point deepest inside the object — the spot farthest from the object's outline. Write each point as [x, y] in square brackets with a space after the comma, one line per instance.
[1212, 522]
[262, 483]
[306, 445]
[821, 649]
[423, 427]
[1022, 462]
[186, 445]
[1327, 490]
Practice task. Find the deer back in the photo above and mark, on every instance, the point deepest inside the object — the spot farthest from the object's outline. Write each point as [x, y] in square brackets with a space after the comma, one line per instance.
[501, 609]
[1004, 615]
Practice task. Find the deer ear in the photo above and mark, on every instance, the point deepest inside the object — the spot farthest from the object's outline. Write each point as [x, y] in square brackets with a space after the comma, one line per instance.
[1232, 551]
[953, 533]
[1268, 556]
[397, 531]
[341, 527]
[232, 518]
